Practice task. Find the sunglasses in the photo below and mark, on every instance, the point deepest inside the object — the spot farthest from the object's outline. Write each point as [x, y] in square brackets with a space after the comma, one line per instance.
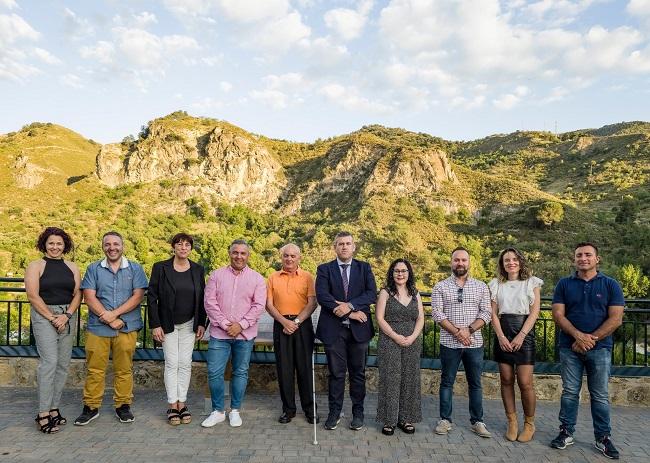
[460, 295]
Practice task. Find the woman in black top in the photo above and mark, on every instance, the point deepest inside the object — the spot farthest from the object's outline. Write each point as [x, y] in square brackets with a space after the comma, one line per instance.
[177, 319]
[52, 286]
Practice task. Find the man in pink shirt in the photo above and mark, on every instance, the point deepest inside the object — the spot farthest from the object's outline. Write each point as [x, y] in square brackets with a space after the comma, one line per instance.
[235, 296]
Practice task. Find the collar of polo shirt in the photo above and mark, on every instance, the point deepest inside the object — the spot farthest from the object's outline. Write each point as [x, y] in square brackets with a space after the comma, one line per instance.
[123, 264]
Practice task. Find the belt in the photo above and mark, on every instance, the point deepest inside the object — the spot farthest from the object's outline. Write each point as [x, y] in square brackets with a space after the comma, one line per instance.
[290, 317]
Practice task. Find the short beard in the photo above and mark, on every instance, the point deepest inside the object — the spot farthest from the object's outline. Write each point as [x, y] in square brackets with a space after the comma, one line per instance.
[459, 272]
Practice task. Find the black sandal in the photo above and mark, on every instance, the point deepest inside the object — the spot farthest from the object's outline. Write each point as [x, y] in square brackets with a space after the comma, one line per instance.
[57, 419]
[408, 428]
[173, 417]
[186, 416]
[48, 427]
[388, 430]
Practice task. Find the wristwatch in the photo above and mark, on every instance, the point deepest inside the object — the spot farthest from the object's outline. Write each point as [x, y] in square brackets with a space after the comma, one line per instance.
[472, 330]
[296, 321]
[68, 314]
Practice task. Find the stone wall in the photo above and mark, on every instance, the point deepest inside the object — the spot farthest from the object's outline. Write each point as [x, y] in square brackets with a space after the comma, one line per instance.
[21, 372]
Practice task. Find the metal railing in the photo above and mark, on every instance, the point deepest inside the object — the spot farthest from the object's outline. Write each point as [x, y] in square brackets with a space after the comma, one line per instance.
[629, 355]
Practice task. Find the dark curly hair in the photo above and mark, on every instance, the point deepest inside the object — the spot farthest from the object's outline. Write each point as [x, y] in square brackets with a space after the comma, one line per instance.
[68, 245]
[391, 287]
[524, 270]
[178, 237]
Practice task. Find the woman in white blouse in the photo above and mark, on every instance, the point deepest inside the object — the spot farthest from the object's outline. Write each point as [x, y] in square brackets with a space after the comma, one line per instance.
[515, 308]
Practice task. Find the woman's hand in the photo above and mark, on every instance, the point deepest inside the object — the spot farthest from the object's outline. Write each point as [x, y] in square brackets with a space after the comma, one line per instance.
[517, 341]
[159, 335]
[200, 331]
[59, 321]
[505, 345]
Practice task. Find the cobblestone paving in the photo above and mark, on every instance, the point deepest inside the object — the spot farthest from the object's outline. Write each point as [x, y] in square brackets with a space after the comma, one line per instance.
[263, 439]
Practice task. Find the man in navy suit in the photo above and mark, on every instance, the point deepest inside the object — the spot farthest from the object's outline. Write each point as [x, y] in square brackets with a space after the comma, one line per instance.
[345, 288]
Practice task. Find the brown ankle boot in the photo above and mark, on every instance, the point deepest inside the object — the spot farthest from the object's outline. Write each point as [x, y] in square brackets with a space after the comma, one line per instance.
[513, 427]
[529, 429]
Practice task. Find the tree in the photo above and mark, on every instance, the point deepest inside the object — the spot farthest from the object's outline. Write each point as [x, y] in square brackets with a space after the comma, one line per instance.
[627, 210]
[550, 213]
[633, 281]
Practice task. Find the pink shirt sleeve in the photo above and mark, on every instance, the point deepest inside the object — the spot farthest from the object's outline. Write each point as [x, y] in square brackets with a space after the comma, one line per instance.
[212, 308]
[258, 303]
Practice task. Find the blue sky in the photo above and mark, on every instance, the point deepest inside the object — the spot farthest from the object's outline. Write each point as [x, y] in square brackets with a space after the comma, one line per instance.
[307, 69]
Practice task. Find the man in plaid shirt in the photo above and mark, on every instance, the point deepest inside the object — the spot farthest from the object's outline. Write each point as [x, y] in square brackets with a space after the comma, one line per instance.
[461, 306]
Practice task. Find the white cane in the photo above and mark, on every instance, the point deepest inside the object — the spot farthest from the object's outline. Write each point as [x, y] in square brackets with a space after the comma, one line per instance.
[313, 391]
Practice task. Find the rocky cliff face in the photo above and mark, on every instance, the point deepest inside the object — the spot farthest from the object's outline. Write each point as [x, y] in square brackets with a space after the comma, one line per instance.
[361, 170]
[26, 175]
[215, 161]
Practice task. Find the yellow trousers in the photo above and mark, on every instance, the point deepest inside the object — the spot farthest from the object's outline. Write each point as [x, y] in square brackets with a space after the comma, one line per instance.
[98, 348]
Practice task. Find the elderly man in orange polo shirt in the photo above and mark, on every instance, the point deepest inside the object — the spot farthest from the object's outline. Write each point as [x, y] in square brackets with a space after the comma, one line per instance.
[291, 299]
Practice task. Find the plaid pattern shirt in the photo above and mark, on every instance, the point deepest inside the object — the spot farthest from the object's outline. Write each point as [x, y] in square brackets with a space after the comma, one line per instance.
[446, 305]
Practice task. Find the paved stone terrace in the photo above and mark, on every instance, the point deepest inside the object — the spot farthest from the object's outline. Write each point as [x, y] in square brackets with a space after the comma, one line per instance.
[263, 439]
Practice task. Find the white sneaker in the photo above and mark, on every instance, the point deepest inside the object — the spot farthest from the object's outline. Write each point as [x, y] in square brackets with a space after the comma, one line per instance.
[480, 429]
[443, 427]
[234, 418]
[214, 418]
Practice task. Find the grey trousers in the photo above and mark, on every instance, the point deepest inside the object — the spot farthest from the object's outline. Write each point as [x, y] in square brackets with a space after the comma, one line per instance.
[54, 350]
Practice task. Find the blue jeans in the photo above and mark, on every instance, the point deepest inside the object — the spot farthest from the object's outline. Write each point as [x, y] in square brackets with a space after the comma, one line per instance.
[472, 359]
[597, 363]
[218, 354]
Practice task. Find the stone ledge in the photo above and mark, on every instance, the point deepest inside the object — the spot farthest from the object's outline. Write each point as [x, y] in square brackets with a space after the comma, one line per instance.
[21, 372]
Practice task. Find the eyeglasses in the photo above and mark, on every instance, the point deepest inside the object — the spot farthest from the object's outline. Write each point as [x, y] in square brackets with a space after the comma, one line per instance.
[400, 270]
[460, 295]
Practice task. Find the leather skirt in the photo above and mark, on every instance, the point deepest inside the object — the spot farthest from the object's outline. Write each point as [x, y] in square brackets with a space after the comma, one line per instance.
[511, 325]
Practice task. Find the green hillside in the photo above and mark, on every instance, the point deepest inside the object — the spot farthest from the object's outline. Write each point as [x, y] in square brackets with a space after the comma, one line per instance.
[589, 184]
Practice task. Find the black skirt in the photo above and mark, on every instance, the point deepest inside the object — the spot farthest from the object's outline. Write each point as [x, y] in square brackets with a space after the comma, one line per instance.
[511, 325]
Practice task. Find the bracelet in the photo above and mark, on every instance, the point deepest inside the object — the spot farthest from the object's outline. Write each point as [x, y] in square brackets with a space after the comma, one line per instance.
[502, 336]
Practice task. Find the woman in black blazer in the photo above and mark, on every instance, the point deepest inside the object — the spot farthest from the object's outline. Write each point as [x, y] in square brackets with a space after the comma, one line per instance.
[177, 319]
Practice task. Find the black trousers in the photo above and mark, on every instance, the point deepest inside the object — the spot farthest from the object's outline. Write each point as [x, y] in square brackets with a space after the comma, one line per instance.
[293, 354]
[345, 354]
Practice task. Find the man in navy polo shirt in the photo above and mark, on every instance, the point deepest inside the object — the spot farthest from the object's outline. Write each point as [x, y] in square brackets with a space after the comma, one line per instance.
[588, 307]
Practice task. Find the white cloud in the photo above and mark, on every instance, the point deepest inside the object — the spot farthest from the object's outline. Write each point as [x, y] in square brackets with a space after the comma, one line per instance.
[225, 87]
[139, 21]
[350, 99]
[323, 53]
[9, 4]
[348, 23]
[102, 51]
[639, 7]
[556, 94]
[71, 80]
[14, 28]
[76, 27]
[557, 11]
[507, 101]
[212, 60]
[290, 80]
[179, 43]
[250, 11]
[273, 98]
[280, 34]
[207, 104]
[45, 56]
[13, 67]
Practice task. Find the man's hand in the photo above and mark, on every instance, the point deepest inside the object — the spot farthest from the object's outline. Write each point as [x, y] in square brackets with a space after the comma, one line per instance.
[585, 341]
[108, 317]
[234, 330]
[576, 347]
[342, 309]
[117, 324]
[158, 335]
[289, 326]
[358, 316]
[464, 336]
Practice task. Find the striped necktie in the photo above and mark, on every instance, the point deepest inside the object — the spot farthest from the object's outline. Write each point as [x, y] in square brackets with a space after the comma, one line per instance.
[344, 276]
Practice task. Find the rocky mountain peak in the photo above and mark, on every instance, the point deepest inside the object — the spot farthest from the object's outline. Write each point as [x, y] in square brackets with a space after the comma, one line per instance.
[217, 161]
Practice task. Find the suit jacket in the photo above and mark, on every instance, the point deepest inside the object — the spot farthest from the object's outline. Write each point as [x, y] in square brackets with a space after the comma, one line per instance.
[362, 292]
[161, 295]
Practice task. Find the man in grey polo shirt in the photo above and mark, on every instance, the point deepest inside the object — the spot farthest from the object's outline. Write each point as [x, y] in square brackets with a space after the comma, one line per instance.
[113, 289]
